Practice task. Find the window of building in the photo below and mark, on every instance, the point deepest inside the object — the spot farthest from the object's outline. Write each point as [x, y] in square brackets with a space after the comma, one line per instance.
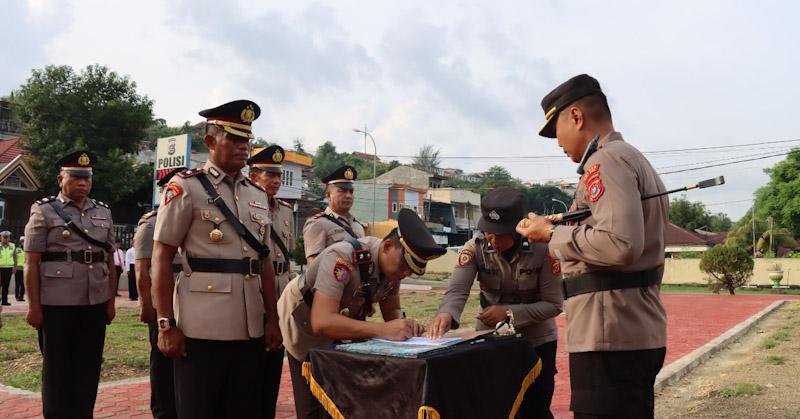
[394, 206]
[12, 181]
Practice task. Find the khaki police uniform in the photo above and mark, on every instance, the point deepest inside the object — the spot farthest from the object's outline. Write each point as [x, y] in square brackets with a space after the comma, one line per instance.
[281, 216]
[612, 263]
[221, 314]
[162, 383]
[333, 274]
[522, 279]
[320, 232]
[74, 290]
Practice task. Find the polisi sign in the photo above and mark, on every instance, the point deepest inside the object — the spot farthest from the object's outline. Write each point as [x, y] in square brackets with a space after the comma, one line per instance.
[171, 152]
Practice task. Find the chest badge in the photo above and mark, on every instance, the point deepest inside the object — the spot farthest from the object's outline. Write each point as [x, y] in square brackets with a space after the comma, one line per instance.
[216, 234]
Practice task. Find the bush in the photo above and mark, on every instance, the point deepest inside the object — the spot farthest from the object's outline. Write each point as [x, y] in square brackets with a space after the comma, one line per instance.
[728, 267]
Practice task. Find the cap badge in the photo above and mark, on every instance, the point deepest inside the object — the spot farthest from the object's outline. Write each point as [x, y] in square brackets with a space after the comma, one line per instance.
[248, 114]
[277, 156]
[348, 174]
[84, 160]
[494, 215]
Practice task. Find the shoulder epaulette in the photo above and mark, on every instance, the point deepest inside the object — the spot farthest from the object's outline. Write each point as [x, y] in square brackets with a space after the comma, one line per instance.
[318, 215]
[45, 200]
[150, 215]
[285, 204]
[250, 181]
[189, 173]
[100, 203]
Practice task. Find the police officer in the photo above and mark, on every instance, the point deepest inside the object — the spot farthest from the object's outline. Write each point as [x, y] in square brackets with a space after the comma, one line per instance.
[335, 223]
[518, 286]
[19, 281]
[612, 262]
[265, 171]
[69, 275]
[162, 383]
[224, 313]
[8, 264]
[332, 301]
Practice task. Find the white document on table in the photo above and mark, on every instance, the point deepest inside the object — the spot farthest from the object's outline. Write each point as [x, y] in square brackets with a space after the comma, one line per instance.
[422, 341]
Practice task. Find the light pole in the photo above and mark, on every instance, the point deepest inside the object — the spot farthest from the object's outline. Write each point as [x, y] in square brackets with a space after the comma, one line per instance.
[374, 163]
[566, 208]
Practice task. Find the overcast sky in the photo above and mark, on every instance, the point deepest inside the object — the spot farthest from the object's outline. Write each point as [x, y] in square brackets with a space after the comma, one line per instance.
[465, 76]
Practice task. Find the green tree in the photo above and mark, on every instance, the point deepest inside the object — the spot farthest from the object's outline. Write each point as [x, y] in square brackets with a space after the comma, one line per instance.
[728, 267]
[694, 215]
[427, 159]
[780, 198]
[495, 177]
[299, 146]
[299, 253]
[719, 222]
[61, 110]
[539, 199]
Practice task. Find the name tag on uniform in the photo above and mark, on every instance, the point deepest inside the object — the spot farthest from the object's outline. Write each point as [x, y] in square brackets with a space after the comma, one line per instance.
[98, 217]
[256, 204]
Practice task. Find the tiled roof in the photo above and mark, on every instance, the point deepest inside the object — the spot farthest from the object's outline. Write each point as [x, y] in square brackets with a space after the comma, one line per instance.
[9, 149]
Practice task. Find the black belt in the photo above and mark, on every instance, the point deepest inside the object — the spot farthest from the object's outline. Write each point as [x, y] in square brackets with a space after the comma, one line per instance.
[246, 266]
[608, 280]
[176, 267]
[85, 257]
[279, 267]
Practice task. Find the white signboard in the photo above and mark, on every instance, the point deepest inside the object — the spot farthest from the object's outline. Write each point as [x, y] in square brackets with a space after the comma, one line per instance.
[171, 152]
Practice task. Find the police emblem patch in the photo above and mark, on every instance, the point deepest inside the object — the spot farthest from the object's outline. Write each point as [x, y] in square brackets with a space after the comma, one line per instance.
[341, 270]
[594, 186]
[465, 257]
[494, 215]
[171, 192]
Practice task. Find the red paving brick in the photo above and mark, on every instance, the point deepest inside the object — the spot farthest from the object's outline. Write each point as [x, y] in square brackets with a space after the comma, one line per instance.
[693, 320]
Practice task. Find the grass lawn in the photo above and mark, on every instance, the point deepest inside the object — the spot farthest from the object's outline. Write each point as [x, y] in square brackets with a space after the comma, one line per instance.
[127, 350]
[126, 353]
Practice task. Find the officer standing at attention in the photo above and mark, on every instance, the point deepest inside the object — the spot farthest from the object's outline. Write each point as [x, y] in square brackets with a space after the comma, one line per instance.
[612, 261]
[518, 286]
[19, 281]
[8, 264]
[162, 383]
[70, 279]
[224, 312]
[332, 300]
[265, 171]
[335, 223]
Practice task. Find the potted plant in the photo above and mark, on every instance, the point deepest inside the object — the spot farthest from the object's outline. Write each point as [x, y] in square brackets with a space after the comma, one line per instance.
[775, 274]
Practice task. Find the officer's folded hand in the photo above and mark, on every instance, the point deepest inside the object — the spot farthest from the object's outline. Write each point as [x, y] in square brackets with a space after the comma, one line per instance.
[401, 329]
[35, 318]
[146, 313]
[172, 343]
[272, 336]
[440, 325]
[111, 311]
[535, 228]
[491, 315]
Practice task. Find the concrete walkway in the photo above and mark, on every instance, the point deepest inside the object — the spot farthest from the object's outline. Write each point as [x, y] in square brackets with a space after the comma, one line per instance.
[694, 321]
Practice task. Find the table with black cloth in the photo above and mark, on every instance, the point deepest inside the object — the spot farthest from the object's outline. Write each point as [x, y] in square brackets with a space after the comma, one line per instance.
[486, 379]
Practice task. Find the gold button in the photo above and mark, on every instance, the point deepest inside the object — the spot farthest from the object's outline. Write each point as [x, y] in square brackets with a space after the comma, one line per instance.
[91, 267]
[88, 247]
[237, 197]
[83, 215]
[85, 230]
[210, 288]
[58, 272]
[244, 248]
[216, 219]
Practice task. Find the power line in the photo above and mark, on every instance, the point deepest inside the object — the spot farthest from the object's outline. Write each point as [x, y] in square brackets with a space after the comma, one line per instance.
[676, 150]
[723, 164]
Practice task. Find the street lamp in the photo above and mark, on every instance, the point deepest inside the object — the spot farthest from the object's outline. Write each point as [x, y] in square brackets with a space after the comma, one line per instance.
[374, 172]
[566, 208]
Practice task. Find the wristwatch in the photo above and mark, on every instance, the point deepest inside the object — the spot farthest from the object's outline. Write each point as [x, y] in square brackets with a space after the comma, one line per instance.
[165, 323]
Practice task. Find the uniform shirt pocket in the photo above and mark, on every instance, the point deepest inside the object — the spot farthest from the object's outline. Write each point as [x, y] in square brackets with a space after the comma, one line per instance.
[56, 270]
[338, 234]
[488, 280]
[209, 282]
[528, 278]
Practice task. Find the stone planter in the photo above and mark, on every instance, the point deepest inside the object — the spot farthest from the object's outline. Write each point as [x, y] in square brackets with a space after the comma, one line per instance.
[775, 277]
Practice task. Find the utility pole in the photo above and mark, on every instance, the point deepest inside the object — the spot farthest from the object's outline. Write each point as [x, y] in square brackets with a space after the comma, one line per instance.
[770, 233]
